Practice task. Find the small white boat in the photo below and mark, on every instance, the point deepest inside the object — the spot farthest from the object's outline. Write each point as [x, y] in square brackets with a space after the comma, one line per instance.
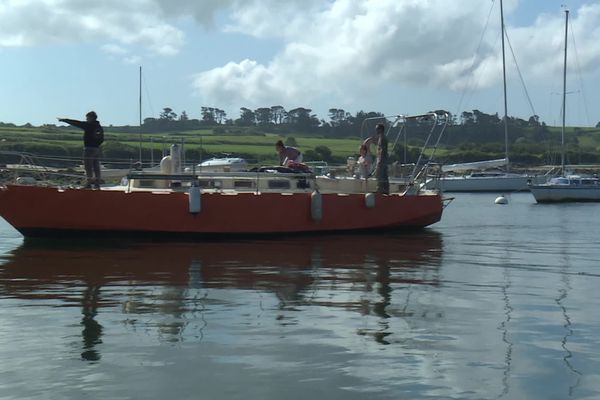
[226, 164]
[571, 188]
[483, 182]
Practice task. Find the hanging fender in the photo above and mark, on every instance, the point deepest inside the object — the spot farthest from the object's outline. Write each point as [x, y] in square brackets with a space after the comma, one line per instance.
[316, 206]
[370, 200]
[195, 199]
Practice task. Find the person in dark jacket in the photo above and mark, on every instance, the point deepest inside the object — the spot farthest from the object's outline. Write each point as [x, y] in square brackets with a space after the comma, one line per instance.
[93, 137]
[381, 166]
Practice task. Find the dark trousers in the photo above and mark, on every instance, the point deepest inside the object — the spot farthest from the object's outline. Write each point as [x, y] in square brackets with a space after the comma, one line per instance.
[91, 163]
[383, 182]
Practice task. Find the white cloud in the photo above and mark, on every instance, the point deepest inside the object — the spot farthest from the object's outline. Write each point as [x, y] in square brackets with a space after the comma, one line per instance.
[43, 22]
[342, 49]
[202, 11]
[347, 48]
[541, 46]
[275, 18]
[241, 78]
[119, 52]
[132, 59]
[114, 49]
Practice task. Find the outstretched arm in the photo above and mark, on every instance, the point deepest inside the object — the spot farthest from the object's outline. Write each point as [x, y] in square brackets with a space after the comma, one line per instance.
[74, 122]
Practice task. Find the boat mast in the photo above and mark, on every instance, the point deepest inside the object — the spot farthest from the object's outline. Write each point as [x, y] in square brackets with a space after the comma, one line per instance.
[504, 83]
[564, 99]
[140, 109]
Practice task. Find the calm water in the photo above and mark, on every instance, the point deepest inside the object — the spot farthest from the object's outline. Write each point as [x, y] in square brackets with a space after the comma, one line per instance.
[492, 302]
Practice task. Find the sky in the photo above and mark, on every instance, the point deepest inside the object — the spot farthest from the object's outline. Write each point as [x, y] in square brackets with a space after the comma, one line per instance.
[62, 58]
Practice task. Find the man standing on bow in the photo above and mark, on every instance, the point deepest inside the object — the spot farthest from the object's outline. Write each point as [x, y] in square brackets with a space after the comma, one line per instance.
[93, 137]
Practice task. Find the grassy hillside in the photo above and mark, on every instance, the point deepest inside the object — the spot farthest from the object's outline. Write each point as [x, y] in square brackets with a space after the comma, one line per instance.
[200, 144]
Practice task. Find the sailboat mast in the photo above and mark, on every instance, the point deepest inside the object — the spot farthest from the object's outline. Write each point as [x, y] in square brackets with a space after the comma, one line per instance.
[140, 109]
[504, 84]
[564, 99]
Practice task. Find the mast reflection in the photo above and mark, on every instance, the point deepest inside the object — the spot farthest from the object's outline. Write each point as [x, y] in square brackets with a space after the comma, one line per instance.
[92, 330]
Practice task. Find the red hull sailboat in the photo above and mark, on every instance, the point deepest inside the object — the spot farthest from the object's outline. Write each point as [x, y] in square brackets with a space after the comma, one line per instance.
[264, 201]
[47, 211]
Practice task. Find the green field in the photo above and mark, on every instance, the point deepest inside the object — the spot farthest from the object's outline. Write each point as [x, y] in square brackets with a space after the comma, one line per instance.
[198, 144]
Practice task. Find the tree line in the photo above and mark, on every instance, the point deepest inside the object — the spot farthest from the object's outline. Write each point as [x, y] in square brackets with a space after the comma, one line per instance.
[470, 126]
[471, 136]
[276, 117]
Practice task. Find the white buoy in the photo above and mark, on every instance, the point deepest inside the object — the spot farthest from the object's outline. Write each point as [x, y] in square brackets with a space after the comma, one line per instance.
[501, 200]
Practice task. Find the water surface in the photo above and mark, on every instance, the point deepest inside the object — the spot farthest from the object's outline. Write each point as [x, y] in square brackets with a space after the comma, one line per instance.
[492, 302]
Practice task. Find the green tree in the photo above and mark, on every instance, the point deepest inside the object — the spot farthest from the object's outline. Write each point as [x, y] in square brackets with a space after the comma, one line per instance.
[247, 117]
[168, 114]
[219, 116]
[302, 119]
[278, 115]
[208, 115]
[338, 117]
[534, 120]
[467, 118]
[263, 115]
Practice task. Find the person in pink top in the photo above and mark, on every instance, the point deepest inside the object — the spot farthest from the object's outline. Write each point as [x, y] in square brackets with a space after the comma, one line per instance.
[287, 154]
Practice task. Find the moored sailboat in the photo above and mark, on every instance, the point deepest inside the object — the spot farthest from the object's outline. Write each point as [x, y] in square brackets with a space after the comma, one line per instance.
[264, 201]
[566, 188]
[482, 180]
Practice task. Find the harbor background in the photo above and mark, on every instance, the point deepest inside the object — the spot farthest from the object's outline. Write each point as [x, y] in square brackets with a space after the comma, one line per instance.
[491, 302]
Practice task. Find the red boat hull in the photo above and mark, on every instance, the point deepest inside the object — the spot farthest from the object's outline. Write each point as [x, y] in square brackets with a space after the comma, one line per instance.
[45, 211]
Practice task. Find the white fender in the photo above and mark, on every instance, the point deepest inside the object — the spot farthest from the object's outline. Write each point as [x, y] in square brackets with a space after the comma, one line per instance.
[316, 206]
[370, 200]
[195, 199]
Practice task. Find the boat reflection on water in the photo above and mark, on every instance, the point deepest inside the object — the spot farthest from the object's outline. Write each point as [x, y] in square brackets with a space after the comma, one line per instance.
[180, 286]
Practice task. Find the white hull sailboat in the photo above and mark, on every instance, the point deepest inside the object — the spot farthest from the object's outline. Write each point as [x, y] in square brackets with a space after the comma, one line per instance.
[567, 188]
[484, 181]
[497, 181]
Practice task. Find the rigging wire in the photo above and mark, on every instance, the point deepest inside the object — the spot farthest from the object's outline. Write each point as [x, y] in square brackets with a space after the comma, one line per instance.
[147, 93]
[585, 107]
[468, 85]
[519, 72]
